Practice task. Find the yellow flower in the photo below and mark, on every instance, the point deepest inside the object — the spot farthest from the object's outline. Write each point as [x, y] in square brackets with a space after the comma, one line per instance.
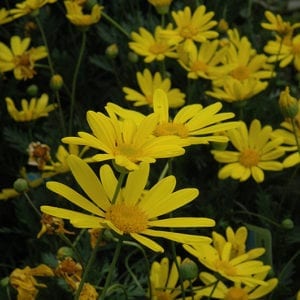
[234, 90]
[255, 152]
[284, 51]
[19, 58]
[35, 109]
[216, 289]
[134, 213]
[8, 193]
[164, 279]
[237, 239]
[190, 27]
[77, 17]
[5, 16]
[88, 292]
[203, 62]
[161, 6]
[27, 7]
[152, 46]
[148, 84]
[240, 269]
[125, 142]
[24, 282]
[277, 24]
[288, 104]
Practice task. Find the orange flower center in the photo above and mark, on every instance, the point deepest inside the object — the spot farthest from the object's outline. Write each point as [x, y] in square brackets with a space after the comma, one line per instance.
[171, 129]
[226, 267]
[236, 293]
[158, 48]
[249, 158]
[127, 218]
[240, 73]
[188, 31]
[199, 66]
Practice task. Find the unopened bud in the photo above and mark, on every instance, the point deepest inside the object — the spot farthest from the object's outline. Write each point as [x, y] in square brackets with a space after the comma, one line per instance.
[287, 223]
[21, 185]
[223, 25]
[64, 252]
[161, 6]
[32, 90]
[56, 82]
[132, 57]
[112, 51]
[188, 269]
[288, 104]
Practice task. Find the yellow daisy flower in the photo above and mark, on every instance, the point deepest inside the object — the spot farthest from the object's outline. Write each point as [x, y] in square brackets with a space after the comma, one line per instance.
[134, 213]
[190, 27]
[5, 16]
[161, 6]
[35, 109]
[19, 58]
[125, 142]
[240, 269]
[164, 279]
[8, 193]
[77, 17]
[148, 84]
[285, 51]
[27, 7]
[151, 46]
[255, 152]
[216, 289]
[276, 23]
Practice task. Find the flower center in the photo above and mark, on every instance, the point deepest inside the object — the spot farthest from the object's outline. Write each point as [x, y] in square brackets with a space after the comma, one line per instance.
[128, 151]
[225, 267]
[23, 62]
[171, 129]
[158, 48]
[127, 218]
[199, 66]
[249, 158]
[236, 293]
[188, 31]
[240, 73]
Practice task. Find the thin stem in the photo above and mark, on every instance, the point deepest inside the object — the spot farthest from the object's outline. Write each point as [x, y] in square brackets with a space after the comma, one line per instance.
[115, 24]
[111, 269]
[78, 237]
[32, 205]
[74, 81]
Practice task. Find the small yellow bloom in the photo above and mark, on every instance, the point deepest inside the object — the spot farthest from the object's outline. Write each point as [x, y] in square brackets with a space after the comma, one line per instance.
[8, 193]
[77, 17]
[35, 109]
[288, 104]
[88, 292]
[19, 58]
[5, 16]
[148, 83]
[161, 6]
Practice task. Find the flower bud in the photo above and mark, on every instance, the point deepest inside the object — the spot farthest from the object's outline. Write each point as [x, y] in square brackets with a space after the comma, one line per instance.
[288, 104]
[188, 269]
[64, 252]
[223, 25]
[56, 82]
[21, 185]
[4, 282]
[132, 57]
[112, 51]
[32, 90]
[161, 6]
[287, 223]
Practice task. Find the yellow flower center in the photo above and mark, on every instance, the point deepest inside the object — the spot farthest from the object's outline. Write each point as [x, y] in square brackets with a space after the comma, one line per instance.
[128, 151]
[171, 129]
[127, 218]
[240, 73]
[249, 158]
[188, 31]
[23, 62]
[226, 267]
[158, 48]
[236, 293]
[163, 296]
[199, 66]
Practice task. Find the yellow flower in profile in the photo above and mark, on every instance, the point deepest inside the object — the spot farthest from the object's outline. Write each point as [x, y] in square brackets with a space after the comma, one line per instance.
[148, 83]
[77, 17]
[164, 279]
[23, 280]
[5, 16]
[125, 142]
[35, 109]
[8, 193]
[134, 213]
[240, 269]
[151, 46]
[216, 289]
[19, 58]
[276, 23]
[255, 153]
[285, 51]
[161, 6]
[27, 7]
[190, 27]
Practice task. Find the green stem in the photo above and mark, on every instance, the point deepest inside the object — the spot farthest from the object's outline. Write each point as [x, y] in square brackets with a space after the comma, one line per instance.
[115, 24]
[111, 269]
[74, 81]
[32, 205]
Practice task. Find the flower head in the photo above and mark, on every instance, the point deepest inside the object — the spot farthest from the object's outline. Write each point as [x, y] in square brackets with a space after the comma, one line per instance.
[5, 16]
[134, 213]
[35, 109]
[288, 104]
[148, 83]
[161, 6]
[151, 46]
[19, 58]
[255, 152]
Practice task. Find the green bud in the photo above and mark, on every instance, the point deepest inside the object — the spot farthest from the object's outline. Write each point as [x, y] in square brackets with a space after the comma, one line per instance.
[188, 269]
[132, 57]
[112, 51]
[108, 235]
[4, 282]
[287, 223]
[64, 252]
[56, 82]
[288, 104]
[20, 185]
[32, 90]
